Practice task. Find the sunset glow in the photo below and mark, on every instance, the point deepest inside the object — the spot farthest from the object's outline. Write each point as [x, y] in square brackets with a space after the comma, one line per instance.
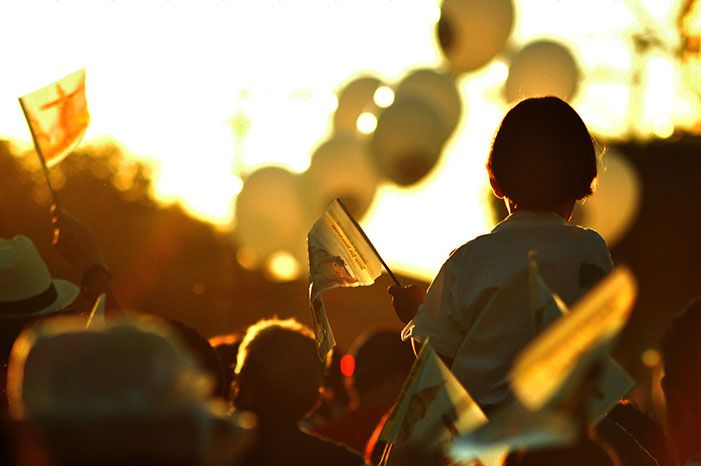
[207, 92]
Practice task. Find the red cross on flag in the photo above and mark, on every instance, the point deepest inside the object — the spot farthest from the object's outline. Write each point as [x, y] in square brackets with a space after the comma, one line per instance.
[57, 116]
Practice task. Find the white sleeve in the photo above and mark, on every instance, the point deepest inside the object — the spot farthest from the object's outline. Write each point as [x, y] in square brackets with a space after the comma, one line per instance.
[434, 319]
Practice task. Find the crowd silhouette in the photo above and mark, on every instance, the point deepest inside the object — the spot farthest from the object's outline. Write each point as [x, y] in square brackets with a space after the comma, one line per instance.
[87, 381]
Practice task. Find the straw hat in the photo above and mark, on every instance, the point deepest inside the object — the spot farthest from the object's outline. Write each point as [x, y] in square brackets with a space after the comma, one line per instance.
[26, 286]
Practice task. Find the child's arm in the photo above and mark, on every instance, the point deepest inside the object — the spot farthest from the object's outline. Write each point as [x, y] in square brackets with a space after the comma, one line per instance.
[406, 301]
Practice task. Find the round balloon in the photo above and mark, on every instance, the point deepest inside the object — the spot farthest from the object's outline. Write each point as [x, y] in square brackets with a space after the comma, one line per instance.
[542, 68]
[472, 32]
[340, 168]
[269, 213]
[408, 140]
[435, 87]
[353, 100]
[614, 206]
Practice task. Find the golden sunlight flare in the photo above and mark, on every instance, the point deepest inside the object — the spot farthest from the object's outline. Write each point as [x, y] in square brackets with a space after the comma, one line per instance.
[208, 109]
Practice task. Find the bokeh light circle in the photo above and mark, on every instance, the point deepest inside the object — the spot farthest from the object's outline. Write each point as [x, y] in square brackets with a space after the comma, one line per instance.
[437, 88]
[613, 208]
[472, 32]
[354, 99]
[542, 68]
[269, 214]
[408, 140]
[340, 168]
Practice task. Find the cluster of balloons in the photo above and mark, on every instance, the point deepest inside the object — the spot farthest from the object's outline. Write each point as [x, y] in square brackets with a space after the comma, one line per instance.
[381, 133]
[395, 132]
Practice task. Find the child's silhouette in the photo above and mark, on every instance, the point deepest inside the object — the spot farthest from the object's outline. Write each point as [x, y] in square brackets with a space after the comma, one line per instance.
[476, 310]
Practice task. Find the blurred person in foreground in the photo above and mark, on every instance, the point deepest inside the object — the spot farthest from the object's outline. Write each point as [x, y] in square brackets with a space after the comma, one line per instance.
[278, 377]
[120, 393]
[681, 384]
[587, 452]
[382, 363]
[28, 292]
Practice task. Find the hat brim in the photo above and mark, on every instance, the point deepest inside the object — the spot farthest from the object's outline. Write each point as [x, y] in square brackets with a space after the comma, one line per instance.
[66, 293]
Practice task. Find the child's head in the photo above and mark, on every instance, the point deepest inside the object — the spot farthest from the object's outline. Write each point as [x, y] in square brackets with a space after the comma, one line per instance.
[542, 155]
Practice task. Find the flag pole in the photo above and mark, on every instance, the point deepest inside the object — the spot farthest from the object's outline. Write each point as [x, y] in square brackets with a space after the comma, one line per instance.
[360, 229]
[45, 168]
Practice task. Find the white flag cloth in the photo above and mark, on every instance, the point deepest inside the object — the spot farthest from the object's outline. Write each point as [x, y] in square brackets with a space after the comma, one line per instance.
[433, 408]
[340, 255]
[545, 306]
[58, 116]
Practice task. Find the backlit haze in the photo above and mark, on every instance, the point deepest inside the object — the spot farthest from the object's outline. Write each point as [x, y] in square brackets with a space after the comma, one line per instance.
[177, 84]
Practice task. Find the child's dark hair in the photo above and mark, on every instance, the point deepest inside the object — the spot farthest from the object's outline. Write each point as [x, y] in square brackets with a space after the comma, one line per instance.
[543, 155]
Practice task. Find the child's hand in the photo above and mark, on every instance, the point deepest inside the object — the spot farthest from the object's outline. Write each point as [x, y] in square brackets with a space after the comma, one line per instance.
[406, 300]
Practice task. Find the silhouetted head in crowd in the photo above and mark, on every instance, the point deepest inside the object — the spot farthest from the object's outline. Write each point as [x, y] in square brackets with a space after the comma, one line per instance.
[382, 363]
[205, 356]
[334, 400]
[278, 371]
[681, 348]
[542, 156]
[227, 347]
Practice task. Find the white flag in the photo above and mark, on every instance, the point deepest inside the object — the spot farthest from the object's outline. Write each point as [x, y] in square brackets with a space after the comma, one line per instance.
[340, 255]
[433, 408]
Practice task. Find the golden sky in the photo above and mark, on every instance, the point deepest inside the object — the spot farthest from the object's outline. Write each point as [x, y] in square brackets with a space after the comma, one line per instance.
[166, 78]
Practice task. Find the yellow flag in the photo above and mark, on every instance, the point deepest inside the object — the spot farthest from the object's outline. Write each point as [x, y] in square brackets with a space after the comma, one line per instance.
[433, 408]
[614, 382]
[546, 365]
[340, 255]
[58, 116]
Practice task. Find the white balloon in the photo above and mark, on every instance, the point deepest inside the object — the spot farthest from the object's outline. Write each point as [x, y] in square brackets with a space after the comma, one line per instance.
[270, 213]
[472, 32]
[408, 140]
[353, 100]
[542, 68]
[615, 204]
[340, 168]
[437, 88]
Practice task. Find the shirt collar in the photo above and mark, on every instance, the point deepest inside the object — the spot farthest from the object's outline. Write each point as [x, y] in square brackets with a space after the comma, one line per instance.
[530, 218]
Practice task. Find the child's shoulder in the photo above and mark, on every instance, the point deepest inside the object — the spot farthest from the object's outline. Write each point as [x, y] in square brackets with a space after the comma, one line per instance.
[591, 236]
[476, 244]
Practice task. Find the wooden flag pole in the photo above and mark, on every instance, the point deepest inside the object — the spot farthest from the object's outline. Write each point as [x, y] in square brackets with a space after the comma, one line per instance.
[360, 229]
[41, 156]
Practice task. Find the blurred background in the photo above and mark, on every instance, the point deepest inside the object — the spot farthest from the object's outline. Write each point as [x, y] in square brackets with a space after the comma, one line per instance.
[222, 129]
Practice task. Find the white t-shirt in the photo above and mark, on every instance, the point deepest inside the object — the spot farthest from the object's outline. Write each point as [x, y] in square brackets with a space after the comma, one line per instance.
[477, 308]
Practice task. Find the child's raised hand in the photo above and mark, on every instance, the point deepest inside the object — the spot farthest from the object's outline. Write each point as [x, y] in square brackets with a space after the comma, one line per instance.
[406, 300]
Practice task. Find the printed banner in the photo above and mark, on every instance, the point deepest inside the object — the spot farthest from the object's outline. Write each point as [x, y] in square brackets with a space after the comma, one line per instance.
[340, 255]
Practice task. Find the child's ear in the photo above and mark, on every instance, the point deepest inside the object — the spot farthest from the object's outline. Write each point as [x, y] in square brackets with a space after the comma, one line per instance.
[496, 188]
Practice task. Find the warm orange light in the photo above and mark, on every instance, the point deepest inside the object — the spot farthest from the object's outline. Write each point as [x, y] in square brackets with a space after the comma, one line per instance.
[282, 267]
[651, 357]
[384, 96]
[367, 122]
[348, 365]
